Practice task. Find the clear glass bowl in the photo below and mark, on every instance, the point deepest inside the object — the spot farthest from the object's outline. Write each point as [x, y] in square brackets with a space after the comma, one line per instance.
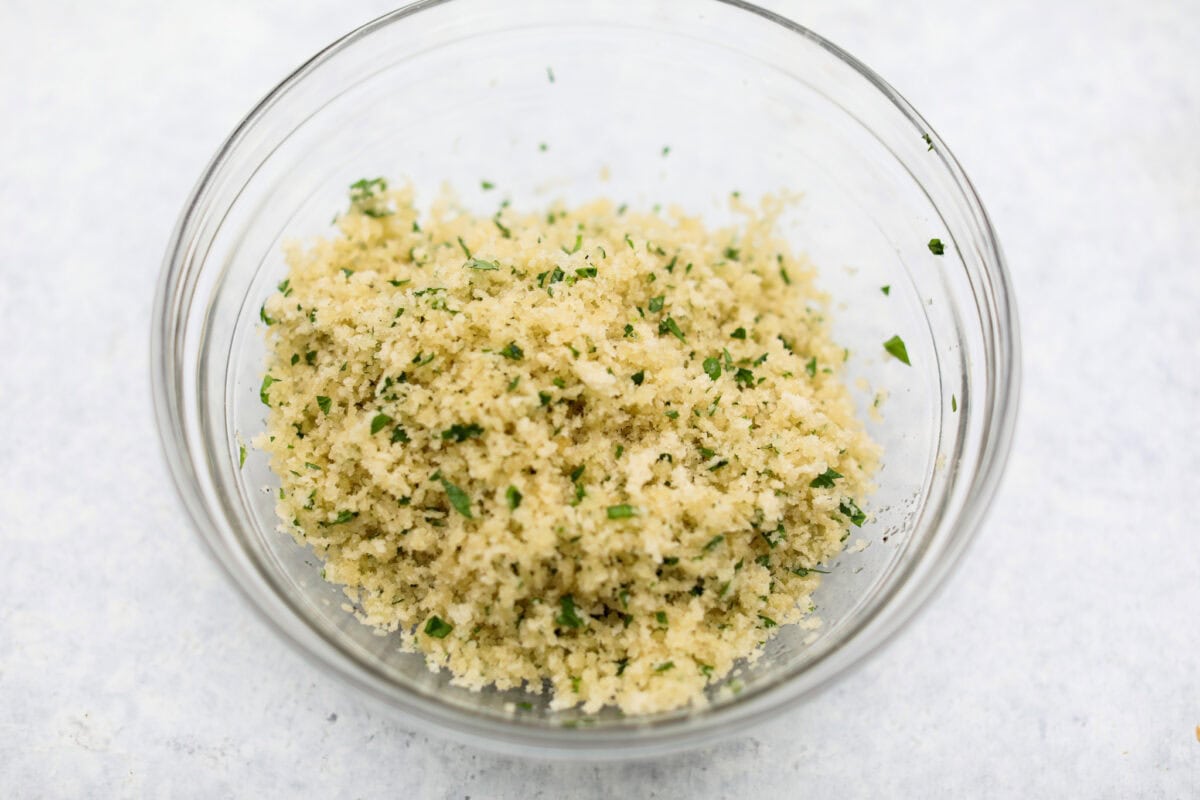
[459, 91]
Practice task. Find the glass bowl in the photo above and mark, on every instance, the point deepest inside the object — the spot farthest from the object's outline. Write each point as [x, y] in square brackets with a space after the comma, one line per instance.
[568, 101]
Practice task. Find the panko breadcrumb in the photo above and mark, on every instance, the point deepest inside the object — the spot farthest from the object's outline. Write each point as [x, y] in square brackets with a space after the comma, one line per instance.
[599, 452]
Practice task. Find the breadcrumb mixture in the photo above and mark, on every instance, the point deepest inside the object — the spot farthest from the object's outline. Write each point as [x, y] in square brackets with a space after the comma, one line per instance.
[591, 451]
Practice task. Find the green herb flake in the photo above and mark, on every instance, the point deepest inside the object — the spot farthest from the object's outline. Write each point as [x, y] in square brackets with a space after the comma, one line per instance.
[481, 265]
[324, 403]
[310, 358]
[665, 666]
[623, 511]
[895, 346]
[887, 290]
[487, 186]
[740, 333]
[567, 617]
[714, 542]
[513, 352]
[811, 367]
[744, 377]
[464, 247]
[953, 403]
[262, 314]
[936, 247]
[784, 274]
[672, 414]
[712, 367]
[437, 628]
[804, 571]
[666, 151]
[460, 433]
[732, 253]
[550, 74]
[399, 435]
[458, 498]
[380, 422]
[852, 512]
[513, 496]
[241, 456]
[575, 249]
[514, 383]
[661, 618]
[638, 377]
[263, 392]
[825, 479]
[628, 330]
[669, 325]
[656, 303]
[928, 141]
[342, 518]
[767, 621]
[628, 241]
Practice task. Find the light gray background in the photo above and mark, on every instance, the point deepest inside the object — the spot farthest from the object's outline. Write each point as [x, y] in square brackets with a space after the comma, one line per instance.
[1062, 660]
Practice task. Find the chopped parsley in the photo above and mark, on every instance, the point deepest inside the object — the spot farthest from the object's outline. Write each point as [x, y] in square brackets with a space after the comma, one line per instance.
[811, 367]
[241, 456]
[342, 518]
[550, 74]
[513, 496]
[324, 403]
[575, 248]
[487, 185]
[936, 247]
[464, 247]
[458, 498]
[262, 314]
[623, 511]
[852, 512]
[638, 377]
[714, 542]
[263, 392]
[803, 571]
[666, 151]
[928, 141]
[460, 433]
[669, 325]
[656, 303]
[481, 265]
[767, 621]
[825, 479]
[732, 253]
[739, 333]
[784, 274]
[661, 618]
[513, 352]
[438, 628]
[953, 403]
[380, 422]
[567, 617]
[399, 435]
[895, 346]
[887, 290]
[712, 367]
[744, 377]
[665, 666]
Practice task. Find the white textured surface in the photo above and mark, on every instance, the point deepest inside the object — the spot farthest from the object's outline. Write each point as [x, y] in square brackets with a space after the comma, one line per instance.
[1062, 660]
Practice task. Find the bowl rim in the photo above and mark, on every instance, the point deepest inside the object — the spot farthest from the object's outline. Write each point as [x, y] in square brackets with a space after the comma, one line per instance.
[999, 422]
